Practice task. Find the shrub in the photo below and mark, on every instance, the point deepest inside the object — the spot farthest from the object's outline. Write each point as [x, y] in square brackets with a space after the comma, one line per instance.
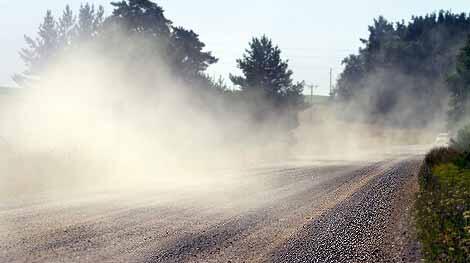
[462, 141]
[433, 158]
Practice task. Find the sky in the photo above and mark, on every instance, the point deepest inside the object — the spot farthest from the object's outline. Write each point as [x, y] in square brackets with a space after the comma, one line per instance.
[313, 35]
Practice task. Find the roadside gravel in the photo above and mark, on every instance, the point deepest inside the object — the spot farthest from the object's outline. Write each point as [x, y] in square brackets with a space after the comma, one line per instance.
[371, 226]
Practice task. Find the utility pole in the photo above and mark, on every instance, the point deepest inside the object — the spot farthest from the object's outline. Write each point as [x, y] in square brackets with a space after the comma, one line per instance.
[311, 99]
[331, 82]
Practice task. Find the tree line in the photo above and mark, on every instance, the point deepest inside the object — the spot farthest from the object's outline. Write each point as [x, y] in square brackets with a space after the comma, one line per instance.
[404, 72]
[266, 86]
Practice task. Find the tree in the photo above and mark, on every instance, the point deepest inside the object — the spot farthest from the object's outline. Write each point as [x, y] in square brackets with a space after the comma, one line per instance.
[90, 20]
[180, 49]
[267, 81]
[40, 51]
[67, 27]
[188, 55]
[55, 37]
[459, 86]
[139, 34]
[351, 77]
[398, 77]
[142, 16]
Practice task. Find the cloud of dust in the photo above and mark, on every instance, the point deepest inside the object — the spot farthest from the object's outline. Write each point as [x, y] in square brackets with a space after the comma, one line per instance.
[352, 130]
[99, 121]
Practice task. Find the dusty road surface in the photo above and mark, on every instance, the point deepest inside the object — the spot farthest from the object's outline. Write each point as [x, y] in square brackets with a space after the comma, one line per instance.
[333, 212]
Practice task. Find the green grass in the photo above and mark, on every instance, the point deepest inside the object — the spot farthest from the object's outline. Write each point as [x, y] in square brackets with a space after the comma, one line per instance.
[443, 207]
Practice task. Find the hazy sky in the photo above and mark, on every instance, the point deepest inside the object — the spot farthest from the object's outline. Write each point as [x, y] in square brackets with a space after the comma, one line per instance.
[313, 35]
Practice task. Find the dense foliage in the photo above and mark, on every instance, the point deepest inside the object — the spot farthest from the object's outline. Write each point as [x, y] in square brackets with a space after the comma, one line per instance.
[180, 48]
[459, 84]
[399, 75]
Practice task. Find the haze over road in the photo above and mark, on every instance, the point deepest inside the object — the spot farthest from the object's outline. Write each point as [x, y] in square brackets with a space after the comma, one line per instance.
[328, 212]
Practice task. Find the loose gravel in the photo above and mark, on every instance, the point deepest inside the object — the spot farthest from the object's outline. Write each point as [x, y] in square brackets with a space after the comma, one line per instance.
[302, 214]
[356, 229]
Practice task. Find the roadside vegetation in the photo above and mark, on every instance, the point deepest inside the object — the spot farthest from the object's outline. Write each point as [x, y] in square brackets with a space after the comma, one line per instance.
[443, 203]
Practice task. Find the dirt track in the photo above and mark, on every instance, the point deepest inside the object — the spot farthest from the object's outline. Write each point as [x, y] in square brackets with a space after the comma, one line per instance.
[306, 213]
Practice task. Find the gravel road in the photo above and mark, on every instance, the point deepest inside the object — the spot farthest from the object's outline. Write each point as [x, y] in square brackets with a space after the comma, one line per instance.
[300, 213]
[357, 229]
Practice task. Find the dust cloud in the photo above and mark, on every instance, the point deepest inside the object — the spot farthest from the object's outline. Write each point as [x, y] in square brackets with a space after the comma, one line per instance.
[351, 129]
[98, 121]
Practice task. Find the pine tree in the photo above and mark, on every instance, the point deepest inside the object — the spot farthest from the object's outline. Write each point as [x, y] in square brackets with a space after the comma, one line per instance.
[90, 20]
[67, 27]
[85, 20]
[189, 59]
[267, 80]
[142, 16]
[179, 48]
[40, 51]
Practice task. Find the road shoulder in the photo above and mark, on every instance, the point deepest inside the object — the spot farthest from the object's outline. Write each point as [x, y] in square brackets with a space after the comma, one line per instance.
[401, 239]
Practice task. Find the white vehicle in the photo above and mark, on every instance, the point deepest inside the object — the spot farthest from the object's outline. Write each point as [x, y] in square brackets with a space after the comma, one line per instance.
[442, 140]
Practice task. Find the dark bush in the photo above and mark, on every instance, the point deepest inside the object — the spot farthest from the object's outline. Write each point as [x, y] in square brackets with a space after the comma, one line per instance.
[462, 141]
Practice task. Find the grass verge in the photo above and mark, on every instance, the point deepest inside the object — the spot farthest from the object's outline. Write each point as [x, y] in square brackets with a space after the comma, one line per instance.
[443, 207]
